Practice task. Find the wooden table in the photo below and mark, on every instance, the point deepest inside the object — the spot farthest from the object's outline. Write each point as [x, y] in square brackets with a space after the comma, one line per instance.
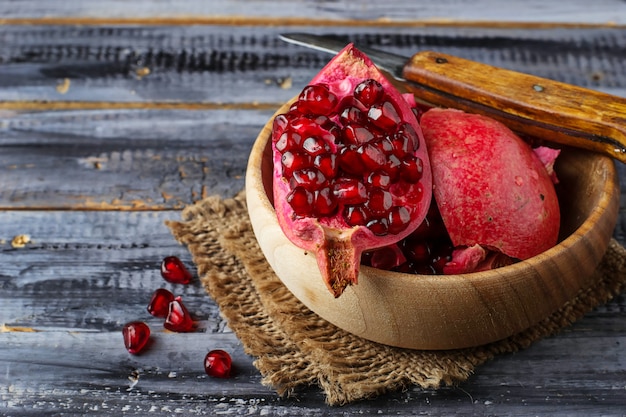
[115, 115]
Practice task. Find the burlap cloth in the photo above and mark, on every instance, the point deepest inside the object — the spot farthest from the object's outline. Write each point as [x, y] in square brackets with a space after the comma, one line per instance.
[295, 348]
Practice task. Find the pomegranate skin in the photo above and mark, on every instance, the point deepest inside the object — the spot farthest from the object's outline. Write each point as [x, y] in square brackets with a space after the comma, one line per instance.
[337, 244]
[489, 185]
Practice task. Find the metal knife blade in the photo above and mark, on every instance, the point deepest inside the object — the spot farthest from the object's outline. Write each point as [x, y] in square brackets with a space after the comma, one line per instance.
[392, 63]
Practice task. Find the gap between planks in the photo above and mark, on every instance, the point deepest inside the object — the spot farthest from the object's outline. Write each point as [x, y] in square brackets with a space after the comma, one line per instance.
[293, 21]
[44, 105]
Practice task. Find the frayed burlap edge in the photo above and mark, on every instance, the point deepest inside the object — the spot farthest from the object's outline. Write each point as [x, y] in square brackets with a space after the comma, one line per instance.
[294, 347]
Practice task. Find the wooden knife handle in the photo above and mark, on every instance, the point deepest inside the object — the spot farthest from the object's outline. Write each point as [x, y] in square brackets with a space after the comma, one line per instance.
[549, 110]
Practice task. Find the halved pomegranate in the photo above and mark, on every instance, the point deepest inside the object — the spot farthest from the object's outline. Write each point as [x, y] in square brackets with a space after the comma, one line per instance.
[351, 170]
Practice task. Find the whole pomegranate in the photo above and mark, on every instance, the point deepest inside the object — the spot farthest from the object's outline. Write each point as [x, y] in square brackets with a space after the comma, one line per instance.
[351, 170]
[492, 190]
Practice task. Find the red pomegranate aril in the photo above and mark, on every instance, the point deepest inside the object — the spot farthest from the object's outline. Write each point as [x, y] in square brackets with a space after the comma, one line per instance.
[350, 191]
[324, 202]
[327, 164]
[280, 124]
[315, 146]
[160, 302]
[173, 270]
[412, 170]
[384, 116]
[379, 179]
[355, 134]
[378, 226]
[317, 99]
[178, 318]
[350, 161]
[136, 336]
[352, 114]
[399, 218]
[393, 167]
[371, 156]
[308, 178]
[293, 161]
[417, 251]
[356, 215]
[288, 140]
[301, 200]
[406, 140]
[380, 201]
[218, 364]
[369, 92]
[386, 258]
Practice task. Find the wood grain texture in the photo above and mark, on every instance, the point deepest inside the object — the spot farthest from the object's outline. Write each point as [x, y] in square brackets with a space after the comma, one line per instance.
[251, 65]
[115, 114]
[603, 12]
[138, 160]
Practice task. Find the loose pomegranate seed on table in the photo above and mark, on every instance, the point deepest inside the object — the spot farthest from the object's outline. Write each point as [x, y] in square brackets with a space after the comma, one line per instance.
[136, 335]
[218, 364]
[160, 302]
[178, 318]
[173, 270]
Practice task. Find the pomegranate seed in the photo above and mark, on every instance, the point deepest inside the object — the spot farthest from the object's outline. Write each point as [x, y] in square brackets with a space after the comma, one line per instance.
[288, 140]
[317, 99]
[136, 335]
[369, 92]
[324, 202]
[178, 318]
[399, 218]
[393, 167]
[160, 303]
[218, 363]
[293, 161]
[412, 170]
[350, 191]
[406, 139]
[356, 134]
[308, 178]
[327, 164]
[355, 215]
[174, 271]
[352, 114]
[301, 201]
[384, 116]
[315, 146]
[419, 251]
[380, 201]
[379, 179]
[372, 157]
[350, 161]
[280, 123]
[386, 258]
[378, 226]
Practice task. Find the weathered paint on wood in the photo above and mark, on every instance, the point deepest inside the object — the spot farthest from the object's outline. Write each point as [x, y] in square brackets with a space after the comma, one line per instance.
[603, 12]
[116, 114]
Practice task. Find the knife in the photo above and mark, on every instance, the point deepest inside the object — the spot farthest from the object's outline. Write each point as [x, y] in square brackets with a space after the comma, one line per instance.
[554, 111]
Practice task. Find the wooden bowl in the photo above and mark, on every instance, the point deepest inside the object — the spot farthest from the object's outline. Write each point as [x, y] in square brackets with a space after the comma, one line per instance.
[452, 311]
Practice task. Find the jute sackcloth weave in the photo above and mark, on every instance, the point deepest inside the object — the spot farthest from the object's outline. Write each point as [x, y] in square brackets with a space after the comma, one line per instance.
[294, 347]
